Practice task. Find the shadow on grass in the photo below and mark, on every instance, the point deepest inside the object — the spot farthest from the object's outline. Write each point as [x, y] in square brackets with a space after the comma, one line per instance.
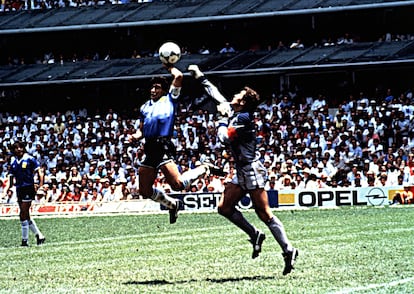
[224, 280]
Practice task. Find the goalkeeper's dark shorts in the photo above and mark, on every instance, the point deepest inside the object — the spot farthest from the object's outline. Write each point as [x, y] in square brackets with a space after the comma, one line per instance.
[158, 151]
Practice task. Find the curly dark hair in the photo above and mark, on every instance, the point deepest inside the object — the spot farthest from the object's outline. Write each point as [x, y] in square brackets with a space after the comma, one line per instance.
[163, 81]
[18, 144]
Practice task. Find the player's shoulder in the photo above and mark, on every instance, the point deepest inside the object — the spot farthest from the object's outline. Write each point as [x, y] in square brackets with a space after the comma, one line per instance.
[29, 158]
[165, 98]
[244, 117]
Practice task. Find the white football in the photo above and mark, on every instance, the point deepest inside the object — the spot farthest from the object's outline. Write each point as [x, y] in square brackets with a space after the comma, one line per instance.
[169, 52]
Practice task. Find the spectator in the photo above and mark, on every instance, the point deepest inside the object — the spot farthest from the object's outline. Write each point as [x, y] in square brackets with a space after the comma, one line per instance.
[123, 190]
[10, 197]
[319, 103]
[3, 185]
[111, 194]
[345, 39]
[204, 50]
[297, 44]
[376, 149]
[53, 194]
[227, 48]
[40, 197]
[312, 183]
[74, 176]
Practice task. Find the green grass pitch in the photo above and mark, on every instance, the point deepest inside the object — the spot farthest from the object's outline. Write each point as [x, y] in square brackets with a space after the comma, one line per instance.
[346, 250]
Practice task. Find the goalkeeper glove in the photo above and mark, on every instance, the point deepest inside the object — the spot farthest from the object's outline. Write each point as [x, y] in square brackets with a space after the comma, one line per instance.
[225, 109]
[195, 71]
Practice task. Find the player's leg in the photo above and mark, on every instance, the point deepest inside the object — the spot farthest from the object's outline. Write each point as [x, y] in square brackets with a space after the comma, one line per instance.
[227, 208]
[24, 207]
[25, 197]
[228, 201]
[177, 181]
[255, 182]
[261, 204]
[262, 208]
[40, 238]
[147, 176]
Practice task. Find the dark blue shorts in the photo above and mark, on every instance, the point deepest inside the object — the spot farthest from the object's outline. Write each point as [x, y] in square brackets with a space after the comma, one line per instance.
[26, 194]
[158, 151]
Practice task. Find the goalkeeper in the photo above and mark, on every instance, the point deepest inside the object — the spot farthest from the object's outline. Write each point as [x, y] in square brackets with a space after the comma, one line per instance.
[237, 130]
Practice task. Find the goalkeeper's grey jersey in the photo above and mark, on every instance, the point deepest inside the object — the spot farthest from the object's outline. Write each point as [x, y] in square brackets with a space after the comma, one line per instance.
[242, 138]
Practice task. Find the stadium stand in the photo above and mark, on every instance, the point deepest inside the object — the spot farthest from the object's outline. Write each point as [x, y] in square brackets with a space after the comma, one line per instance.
[157, 15]
[242, 61]
[349, 69]
[321, 140]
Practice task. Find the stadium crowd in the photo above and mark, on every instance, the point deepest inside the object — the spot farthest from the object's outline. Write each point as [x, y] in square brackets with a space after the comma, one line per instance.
[303, 142]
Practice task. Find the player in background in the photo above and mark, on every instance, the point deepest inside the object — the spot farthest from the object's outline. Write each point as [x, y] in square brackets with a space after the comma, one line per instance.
[23, 170]
[237, 130]
[157, 117]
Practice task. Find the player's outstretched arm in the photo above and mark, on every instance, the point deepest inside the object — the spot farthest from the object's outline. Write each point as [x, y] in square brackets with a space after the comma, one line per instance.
[177, 75]
[223, 105]
[177, 81]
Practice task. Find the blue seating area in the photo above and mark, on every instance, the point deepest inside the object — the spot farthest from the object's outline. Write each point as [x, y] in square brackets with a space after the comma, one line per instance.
[21, 19]
[305, 4]
[53, 72]
[147, 66]
[114, 14]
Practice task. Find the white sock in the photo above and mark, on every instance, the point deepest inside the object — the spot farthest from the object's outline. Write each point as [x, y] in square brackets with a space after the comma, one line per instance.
[25, 229]
[33, 227]
[161, 197]
[191, 175]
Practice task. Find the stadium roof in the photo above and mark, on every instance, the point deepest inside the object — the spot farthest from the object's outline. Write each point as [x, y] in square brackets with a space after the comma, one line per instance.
[160, 12]
[357, 56]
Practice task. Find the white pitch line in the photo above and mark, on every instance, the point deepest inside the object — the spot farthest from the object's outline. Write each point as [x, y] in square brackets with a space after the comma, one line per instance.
[102, 240]
[375, 286]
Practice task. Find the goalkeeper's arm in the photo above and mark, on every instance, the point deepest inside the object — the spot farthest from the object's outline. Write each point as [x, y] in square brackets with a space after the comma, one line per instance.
[223, 106]
[222, 130]
[213, 91]
[209, 87]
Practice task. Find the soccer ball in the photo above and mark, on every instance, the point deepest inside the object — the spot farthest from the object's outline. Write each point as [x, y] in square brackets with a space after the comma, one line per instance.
[169, 53]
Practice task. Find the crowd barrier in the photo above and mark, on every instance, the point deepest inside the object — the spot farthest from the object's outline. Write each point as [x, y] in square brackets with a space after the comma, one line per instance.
[298, 198]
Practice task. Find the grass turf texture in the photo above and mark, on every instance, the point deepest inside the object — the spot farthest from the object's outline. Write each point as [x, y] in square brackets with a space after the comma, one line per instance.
[347, 250]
